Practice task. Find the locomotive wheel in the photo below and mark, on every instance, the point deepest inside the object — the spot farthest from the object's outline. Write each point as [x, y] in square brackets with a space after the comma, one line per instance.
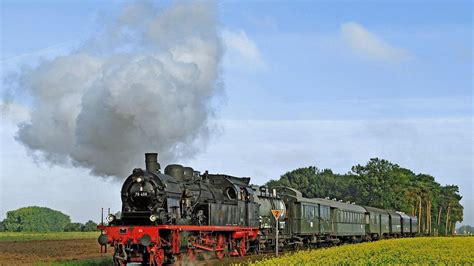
[119, 256]
[206, 255]
[191, 255]
[117, 262]
[242, 247]
[220, 244]
[159, 257]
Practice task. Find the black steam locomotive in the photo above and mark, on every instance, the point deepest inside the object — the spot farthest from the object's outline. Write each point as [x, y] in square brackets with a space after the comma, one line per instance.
[182, 196]
[183, 214]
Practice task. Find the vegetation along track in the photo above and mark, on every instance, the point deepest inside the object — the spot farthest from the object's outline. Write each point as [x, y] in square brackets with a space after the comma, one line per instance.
[423, 250]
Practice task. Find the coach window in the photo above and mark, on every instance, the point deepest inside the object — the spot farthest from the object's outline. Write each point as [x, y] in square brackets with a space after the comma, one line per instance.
[326, 213]
[309, 211]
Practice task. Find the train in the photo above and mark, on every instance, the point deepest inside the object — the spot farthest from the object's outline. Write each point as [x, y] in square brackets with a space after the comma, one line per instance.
[184, 215]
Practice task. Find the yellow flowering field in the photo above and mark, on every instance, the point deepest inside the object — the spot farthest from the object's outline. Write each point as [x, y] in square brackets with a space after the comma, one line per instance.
[421, 251]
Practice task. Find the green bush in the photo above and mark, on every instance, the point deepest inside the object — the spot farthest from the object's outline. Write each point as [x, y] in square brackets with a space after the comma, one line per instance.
[35, 219]
[89, 226]
[74, 227]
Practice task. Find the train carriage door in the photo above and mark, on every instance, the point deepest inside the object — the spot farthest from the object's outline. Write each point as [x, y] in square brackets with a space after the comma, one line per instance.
[308, 215]
[367, 221]
[333, 212]
[380, 225]
[320, 218]
[290, 216]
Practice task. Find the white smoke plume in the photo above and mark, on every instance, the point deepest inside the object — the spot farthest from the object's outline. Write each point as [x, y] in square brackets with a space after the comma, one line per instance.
[145, 84]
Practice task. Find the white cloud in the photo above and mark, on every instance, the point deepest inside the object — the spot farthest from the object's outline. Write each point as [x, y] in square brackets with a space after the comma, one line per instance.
[368, 45]
[241, 51]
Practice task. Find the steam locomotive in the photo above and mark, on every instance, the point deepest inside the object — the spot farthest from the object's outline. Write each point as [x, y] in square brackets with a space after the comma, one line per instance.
[182, 214]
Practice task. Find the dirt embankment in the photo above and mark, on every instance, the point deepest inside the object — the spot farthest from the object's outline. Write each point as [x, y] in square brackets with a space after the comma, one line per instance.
[33, 252]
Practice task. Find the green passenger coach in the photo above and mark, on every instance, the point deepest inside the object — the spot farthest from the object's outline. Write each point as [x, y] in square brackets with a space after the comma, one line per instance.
[317, 221]
[377, 222]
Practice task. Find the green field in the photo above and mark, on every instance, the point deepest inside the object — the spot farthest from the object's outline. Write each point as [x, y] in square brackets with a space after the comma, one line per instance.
[23, 236]
[89, 262]
[422, 250]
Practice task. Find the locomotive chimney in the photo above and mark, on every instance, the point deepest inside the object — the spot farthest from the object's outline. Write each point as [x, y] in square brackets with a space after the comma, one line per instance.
[151, 162]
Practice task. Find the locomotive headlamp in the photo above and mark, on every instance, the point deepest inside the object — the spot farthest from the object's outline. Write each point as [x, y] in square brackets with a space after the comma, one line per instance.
[139, 179]
[110, 218]
[153, 217]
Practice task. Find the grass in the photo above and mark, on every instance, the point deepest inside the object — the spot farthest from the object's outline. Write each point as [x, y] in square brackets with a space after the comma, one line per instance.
[23, 236]
[408, 251]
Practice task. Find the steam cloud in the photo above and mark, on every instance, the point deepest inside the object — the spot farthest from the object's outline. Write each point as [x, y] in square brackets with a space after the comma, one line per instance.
[145, 84]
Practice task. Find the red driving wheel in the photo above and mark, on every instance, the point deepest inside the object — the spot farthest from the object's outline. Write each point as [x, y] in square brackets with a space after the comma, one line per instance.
[159, 257]
[220, 245]
[242, 248]
[191, 254]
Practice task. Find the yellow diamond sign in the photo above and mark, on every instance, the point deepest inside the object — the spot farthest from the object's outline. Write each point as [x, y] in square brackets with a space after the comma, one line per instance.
[277, 213]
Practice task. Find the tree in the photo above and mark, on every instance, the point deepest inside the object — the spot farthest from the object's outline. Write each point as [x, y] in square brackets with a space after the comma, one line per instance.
[74, 227]
[2, 226]
[465, 230]
[35, 219]
[90, 226]
[453, 213]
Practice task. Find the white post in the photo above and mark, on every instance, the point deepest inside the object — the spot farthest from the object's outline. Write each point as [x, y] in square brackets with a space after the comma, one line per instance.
[276, 239]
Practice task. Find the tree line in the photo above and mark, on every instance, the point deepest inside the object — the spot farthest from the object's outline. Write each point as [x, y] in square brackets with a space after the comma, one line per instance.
[466, 230]
[42, 219]
[384, 185]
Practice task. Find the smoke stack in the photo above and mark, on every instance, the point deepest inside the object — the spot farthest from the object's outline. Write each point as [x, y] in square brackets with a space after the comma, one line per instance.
[151, 162]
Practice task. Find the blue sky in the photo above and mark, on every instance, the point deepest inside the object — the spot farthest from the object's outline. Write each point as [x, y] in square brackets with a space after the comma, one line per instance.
[306, 83]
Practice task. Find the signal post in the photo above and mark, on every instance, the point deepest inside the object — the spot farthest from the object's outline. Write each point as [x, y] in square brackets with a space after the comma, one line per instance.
[276, 214]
